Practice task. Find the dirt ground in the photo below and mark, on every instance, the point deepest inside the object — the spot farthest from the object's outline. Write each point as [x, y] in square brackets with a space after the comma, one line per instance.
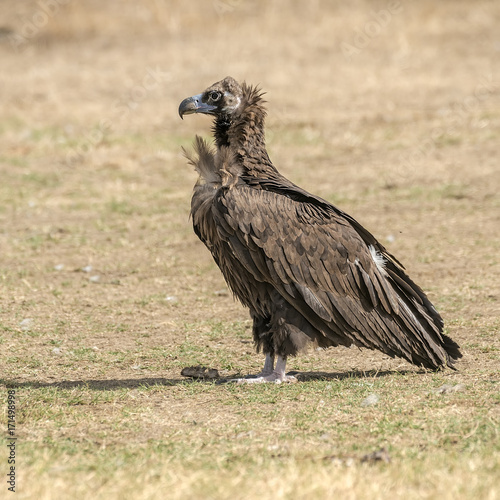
[391, 110]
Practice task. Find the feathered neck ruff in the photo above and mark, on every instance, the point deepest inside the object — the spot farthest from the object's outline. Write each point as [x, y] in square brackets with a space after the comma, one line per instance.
[243, 130]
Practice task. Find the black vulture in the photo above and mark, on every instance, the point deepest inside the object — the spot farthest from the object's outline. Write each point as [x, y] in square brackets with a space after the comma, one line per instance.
[306, 270]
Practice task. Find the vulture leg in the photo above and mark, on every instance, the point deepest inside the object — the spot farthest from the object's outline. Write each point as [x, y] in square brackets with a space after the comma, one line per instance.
[277, 375]
[268, 366]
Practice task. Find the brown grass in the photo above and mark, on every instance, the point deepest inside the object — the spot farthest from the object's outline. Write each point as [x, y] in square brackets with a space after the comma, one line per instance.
[402, 133]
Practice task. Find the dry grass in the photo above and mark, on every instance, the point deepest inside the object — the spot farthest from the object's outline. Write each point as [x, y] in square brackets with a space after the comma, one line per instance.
[402, 132]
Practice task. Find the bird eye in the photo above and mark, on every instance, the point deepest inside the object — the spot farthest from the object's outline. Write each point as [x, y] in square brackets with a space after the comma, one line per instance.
[214, 95]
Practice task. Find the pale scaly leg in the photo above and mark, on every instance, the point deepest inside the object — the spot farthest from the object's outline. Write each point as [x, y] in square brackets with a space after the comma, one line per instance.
[268, 366]
[267, 370]
[277, 375]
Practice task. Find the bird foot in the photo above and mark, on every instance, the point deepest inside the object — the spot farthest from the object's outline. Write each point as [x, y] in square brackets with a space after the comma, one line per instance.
[276, 378]
[269, 373]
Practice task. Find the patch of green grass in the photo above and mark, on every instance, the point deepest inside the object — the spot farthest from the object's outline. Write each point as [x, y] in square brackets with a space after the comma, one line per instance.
[121, 207]
[292, 429]
[14, 161]
[446, 191]
[7, 329]
[84, 354]
[45, 180]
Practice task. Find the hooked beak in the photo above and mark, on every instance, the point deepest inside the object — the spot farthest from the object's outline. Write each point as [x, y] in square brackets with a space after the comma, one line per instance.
[195, 105]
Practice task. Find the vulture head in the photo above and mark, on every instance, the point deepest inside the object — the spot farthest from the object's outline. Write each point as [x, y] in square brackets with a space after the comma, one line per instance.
[222, 99]
[239, 116]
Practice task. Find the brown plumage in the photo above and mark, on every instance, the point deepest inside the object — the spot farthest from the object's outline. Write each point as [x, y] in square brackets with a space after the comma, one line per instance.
[306, 270]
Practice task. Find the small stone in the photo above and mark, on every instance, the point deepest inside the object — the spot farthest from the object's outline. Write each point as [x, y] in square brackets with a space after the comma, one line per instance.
[337, 461]
[390, 238]
[95, 279]
[243, 435]
[25, 324]
[172, 299]
[59, 267]
[87, 269]
[221, 293]
[370, 400]
[447, 388]
[57, 351]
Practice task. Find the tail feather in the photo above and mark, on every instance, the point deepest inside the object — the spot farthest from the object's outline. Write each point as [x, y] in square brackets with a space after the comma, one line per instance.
[433, 349]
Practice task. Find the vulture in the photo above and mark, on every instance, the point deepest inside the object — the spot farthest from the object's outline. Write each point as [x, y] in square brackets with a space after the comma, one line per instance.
[306, 270]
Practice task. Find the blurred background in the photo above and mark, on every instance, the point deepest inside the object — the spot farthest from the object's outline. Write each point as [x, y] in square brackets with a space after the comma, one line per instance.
[388, 108]
[345, 75]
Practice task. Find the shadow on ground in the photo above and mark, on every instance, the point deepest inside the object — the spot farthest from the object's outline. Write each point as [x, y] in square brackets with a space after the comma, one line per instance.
[108, 385]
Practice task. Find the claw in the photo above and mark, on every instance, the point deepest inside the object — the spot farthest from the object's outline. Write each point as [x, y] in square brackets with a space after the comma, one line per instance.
[269, 373]
[275, 378]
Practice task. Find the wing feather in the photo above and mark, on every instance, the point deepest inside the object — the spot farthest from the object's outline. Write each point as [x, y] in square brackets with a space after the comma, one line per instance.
[315, 263]
[326, 269]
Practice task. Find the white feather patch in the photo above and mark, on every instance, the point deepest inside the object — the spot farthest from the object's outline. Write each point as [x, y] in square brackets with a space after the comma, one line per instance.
[235, 104]
[378, 258]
